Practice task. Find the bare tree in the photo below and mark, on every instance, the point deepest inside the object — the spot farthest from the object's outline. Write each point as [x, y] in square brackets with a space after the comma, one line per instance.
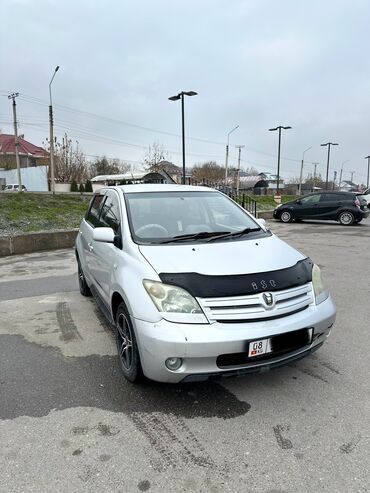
[107, 166]
[69, 161]
[152, 159]
[208, 171]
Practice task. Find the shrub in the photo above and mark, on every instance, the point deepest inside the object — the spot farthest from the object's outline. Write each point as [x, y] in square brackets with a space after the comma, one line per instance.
[74, 187]
[81, 188]
[88, 186]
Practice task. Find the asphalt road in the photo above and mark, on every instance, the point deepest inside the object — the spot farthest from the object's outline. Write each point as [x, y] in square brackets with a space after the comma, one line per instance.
[69, 422]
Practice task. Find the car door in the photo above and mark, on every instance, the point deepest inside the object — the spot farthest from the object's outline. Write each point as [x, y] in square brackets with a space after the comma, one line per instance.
[87, 226]
[104, 255]
[329, 205]
[307, 207]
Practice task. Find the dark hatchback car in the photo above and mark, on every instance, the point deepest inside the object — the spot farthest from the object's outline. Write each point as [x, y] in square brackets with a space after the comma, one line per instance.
[344, 207]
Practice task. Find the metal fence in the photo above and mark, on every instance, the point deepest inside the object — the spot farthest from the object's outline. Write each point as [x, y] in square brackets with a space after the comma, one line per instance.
[244, 200]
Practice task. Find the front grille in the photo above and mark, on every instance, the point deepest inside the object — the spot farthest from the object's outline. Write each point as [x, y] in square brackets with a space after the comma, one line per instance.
[253, 308]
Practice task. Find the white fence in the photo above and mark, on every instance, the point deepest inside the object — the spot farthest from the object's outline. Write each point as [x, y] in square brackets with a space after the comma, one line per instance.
[35, 179]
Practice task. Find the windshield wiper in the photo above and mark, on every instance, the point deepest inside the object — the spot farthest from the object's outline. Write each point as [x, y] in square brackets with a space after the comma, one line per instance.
[236, 233]
[196, 236]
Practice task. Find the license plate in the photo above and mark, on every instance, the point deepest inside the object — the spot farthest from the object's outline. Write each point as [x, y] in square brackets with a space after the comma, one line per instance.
[256, 348]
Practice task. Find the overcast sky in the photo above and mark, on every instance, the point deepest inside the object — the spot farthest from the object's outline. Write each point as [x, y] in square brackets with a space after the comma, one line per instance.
[254, 63]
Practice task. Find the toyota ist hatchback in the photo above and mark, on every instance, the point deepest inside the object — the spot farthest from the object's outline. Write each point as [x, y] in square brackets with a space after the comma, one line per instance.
[195, 286]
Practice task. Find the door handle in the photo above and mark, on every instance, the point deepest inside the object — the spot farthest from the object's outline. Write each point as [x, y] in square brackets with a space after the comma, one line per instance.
[91, 248]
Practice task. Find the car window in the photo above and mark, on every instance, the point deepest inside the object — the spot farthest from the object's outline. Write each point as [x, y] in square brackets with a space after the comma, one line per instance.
[334, 197]
[156, 216]
[92, 216]
[110, 216]
[311, 199]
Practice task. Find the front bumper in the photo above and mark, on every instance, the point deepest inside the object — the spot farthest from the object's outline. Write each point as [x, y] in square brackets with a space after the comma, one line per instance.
[200, 345]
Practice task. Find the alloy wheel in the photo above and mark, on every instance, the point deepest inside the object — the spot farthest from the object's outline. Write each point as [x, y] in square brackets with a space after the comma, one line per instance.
[124, 340]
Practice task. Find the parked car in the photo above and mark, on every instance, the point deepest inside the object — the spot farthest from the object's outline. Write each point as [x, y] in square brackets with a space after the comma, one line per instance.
[344, 207]
[366, 196]
[14, 187]
[195, 286]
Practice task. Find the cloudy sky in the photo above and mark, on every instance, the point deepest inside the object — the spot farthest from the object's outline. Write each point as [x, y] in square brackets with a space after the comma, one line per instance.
[254, 63]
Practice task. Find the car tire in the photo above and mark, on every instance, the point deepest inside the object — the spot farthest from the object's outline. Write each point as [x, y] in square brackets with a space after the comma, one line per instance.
[286, 217]
[346, 218]
[127, 349]
[84, 288]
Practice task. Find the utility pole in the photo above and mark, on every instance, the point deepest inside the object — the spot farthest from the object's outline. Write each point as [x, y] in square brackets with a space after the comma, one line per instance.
[314, 174]
[334, 178]
[352, 173]
[368, 171]
[227, 152]
[329, 144]
[301, 174]
[51, 136]
[238, 170]
[13, 96]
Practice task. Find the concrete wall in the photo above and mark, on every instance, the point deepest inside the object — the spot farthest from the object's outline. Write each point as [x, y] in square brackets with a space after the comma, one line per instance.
[35, 179]
[35, 242]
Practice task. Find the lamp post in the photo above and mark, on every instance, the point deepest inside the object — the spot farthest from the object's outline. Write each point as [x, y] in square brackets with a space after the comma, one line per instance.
[278, 168]
[51, 135]
[329, 144]
[301, 174]
[175, 98]
[368, 171]
[227, 152]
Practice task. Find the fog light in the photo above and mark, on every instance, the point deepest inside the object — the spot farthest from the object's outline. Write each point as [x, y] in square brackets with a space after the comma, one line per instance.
[173, 364]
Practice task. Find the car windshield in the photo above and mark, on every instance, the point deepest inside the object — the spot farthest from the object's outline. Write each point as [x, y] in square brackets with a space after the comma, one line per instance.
[177, 217]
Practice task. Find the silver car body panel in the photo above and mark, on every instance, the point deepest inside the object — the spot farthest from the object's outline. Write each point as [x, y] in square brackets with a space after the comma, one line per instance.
[231, 321]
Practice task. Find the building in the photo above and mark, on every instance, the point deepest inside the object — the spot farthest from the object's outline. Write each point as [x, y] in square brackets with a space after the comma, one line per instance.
[253, 184]
[30, 155]
[131, 178]
[348, 186]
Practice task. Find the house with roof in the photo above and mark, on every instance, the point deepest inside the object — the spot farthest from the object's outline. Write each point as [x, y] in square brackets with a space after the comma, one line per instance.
[348, 186]
[33, 163]
[29, 154]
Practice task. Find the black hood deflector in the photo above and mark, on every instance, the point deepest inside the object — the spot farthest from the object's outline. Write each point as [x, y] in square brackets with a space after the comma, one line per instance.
[204, 286]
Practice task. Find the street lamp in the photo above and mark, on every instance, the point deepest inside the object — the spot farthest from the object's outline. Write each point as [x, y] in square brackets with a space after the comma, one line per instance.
[301, 174]
[175, 98]
[227, 152]
[368, 171]
[52, 173]
[329, 144]
[278, 169]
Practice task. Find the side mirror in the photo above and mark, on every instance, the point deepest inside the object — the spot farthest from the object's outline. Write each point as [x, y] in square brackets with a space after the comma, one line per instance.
[104, 235]
[298, 201]
[262, 223]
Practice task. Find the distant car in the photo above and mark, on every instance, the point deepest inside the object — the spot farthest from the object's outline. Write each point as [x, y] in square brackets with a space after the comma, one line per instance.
[14, 187]
[366, 196]
[344, 207]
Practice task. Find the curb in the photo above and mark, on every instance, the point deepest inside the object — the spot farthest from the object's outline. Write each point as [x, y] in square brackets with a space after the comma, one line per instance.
[37, 242]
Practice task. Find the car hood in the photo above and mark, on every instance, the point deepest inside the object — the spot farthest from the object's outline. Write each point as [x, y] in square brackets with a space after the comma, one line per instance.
[222, 258]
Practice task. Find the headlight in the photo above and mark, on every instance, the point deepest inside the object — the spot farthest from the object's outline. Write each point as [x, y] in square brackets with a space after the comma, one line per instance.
[318, 285]
[172, 299]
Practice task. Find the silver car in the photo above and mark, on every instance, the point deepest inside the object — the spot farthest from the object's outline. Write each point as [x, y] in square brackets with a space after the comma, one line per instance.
[195, 286]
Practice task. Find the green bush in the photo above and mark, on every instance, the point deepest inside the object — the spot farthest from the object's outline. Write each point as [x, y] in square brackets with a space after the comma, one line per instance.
[88, 186]
[74, 187]
[81, 188]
